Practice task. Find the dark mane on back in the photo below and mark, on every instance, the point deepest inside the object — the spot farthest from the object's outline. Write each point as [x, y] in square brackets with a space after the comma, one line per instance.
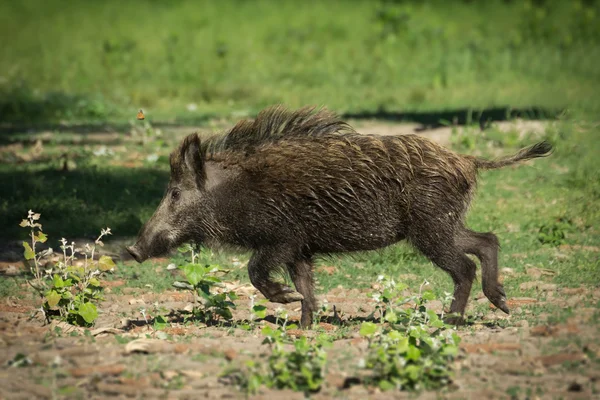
[276, 123]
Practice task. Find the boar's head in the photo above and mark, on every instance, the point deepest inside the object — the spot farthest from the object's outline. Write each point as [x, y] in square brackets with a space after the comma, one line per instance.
[175, 221]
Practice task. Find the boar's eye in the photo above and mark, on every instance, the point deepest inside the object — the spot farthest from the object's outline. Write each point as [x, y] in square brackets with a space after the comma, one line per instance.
[175, 194]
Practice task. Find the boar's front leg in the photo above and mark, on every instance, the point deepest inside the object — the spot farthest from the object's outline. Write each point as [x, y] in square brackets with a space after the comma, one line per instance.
[301, 272]
[262, 263]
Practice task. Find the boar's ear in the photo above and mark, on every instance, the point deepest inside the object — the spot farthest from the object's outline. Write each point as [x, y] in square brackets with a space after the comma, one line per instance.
[190, 159]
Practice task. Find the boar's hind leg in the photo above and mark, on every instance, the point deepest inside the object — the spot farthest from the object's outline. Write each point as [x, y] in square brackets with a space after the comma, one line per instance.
[301, 272]
[260, 266]
[485, 247]
[446, 255]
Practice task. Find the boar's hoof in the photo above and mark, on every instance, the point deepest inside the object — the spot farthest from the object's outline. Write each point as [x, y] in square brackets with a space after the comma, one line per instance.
[456, 320]
[286, 295]
[497, 297]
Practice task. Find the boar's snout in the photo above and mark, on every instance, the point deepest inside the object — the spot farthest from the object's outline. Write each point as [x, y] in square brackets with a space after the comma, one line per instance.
[135, 254]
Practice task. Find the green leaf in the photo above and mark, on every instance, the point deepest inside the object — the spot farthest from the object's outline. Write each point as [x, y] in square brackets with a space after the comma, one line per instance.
[232, 296]
[455, 338]
[402, 345]
[24, 223]
[94, 282]
[391, 317]
[259, 311]
[413, 353]
[28, 253]
[186, 248]
[160, 322]
[105, 263]
[428, 295]
[57, 281]
[53, 298]
[41, 237]
[194, 273]
[267, 331]
[395, 335]
[386, 385]
[449, 351]
[88, 312]
[368, 329]
[225, 313]
[413, 371]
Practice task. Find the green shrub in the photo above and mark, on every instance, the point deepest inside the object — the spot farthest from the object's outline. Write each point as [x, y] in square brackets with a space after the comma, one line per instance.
[301, 369]
[70, 291]
[412, 347]
[200, 279]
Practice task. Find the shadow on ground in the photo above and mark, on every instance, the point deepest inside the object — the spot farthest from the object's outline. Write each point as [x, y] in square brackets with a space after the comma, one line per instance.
[77, 204]
[459, 116]
[429, 119]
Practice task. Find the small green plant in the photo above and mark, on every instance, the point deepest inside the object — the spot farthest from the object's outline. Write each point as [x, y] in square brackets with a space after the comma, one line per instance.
[199, 280]
[554, 233]
[412, 347]
[300, 369]
[69, 290]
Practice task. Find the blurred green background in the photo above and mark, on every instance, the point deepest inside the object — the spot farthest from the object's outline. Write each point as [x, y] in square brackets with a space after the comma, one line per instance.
[186, 61]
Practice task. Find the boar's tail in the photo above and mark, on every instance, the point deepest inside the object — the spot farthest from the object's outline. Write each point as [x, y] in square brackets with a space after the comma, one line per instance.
[541, 149]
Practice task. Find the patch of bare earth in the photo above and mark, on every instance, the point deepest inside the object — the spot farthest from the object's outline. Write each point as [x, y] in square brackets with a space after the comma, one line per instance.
[124, 356]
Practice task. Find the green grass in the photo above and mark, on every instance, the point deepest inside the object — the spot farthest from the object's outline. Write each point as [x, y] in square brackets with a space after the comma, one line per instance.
[96, 61]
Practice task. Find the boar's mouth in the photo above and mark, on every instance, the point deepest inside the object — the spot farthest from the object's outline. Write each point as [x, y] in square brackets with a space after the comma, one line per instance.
[158, 245]
[134, 252]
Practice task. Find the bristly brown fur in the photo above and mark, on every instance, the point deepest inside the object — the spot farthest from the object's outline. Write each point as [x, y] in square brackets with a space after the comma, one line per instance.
[273, 124]
[291, 185]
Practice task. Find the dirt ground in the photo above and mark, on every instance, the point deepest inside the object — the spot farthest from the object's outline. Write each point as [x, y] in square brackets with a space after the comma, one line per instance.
[124, 357]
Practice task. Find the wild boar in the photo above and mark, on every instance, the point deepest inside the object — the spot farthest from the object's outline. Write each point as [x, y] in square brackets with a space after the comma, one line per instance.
[292, 185]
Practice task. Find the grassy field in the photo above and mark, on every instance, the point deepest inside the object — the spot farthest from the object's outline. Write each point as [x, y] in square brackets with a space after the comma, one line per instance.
[72, 79]
[189, 60]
